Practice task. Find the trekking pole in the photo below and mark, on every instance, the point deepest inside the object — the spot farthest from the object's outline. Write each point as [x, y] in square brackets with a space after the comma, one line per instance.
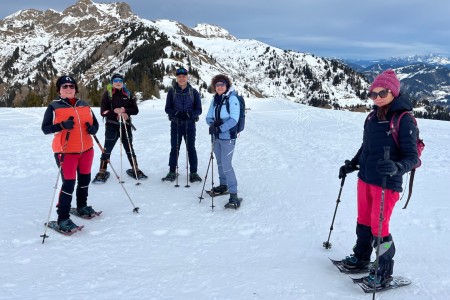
[121, 146]
[132, 155]
[380, 224]
[213, 138]
[211, 157]
[327, 244]
[187, 152]
[44, 236]
[178, 154]
[135, 209]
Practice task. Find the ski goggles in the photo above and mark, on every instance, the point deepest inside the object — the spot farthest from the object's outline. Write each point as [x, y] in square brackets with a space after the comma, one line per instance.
[118, 80]
[382, 94]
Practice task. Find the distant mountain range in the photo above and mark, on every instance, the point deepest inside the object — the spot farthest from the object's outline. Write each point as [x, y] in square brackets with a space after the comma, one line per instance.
[93, 40]
[423, 77]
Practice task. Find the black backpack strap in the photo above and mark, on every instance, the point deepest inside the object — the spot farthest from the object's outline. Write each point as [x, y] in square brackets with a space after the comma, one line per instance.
[411, 181]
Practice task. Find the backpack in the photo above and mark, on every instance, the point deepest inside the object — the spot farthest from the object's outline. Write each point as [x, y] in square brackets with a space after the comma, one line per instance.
[241, 122]
[394, 126]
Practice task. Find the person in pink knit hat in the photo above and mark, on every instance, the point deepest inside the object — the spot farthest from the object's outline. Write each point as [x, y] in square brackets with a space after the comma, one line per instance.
[380, 177]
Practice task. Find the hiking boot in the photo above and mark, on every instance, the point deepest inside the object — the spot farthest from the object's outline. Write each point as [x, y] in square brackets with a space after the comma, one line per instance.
[193, 177]
[221, 189]
[233, 202]
[383, 276]
[67, 225]
[171, 176]
[353, 263]
[86, 211]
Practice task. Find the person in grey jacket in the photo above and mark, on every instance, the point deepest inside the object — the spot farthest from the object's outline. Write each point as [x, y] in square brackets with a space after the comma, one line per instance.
[222, 128]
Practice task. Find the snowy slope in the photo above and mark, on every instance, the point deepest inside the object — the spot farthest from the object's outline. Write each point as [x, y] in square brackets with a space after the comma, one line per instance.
[286, 162]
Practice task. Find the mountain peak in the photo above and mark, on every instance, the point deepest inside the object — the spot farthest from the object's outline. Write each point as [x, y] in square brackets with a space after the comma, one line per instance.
[211, 31]
[87, 7]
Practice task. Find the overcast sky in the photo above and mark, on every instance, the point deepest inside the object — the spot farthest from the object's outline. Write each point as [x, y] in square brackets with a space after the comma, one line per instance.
[356, 29]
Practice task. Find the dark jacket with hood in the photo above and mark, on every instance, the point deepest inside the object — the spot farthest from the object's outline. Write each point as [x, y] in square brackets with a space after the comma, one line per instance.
[377, 135]
[186, 101]
[115, 98]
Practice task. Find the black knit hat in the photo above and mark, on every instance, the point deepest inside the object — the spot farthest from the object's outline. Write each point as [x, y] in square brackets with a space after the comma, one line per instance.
[66, 79]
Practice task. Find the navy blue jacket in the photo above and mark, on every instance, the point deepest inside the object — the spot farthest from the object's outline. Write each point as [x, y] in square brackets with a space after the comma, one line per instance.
[377, 135]
[186, 100]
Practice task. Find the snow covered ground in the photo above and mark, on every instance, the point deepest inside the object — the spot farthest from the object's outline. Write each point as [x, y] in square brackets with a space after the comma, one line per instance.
[286, 162]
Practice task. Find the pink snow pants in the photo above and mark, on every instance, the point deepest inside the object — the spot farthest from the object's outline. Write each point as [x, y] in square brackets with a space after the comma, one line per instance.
[369, 201]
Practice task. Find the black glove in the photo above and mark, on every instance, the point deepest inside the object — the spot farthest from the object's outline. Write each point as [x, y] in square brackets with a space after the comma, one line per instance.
[217, 123]
[68, 124]
[387, 167]
[348, 167]
[213, 129]
[91, 129]
[183, 116]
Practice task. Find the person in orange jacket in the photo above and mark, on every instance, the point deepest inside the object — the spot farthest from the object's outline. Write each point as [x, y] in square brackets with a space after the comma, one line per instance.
[63, 115]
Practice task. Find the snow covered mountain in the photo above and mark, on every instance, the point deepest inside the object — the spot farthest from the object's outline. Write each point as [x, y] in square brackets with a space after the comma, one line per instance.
[425, 77]
[92, 40]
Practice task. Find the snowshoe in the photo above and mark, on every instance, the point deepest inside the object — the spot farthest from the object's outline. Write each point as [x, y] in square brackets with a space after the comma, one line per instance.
[86, 212]
[194, 177]
[101, 177]
[66, 227]
[392, 282]
[171, 176]
[140, 174]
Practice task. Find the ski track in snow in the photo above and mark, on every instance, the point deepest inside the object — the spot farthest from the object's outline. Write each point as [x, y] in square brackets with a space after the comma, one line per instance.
[286, 162]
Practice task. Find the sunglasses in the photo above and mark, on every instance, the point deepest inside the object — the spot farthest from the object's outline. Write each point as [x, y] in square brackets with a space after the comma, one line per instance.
[68, 86]
[382, 94]
[118, 80]
[220, 84]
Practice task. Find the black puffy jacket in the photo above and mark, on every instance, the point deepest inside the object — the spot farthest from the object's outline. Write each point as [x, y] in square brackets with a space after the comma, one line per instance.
[377, 135]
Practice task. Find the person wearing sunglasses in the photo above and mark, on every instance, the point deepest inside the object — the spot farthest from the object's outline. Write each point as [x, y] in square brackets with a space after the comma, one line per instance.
[183, 107]
[373, 167]
[117, 106]
[63, 115]
[222, 124]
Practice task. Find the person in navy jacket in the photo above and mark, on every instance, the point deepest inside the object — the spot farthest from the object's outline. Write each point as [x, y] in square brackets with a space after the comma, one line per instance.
[369, 160]
[183, 107]
[222, 128]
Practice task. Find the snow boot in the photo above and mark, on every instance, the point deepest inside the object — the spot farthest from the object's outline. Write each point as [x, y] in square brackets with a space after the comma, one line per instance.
[86, 212]
[171, 176]
[66, 225]
[194, 177]
[233, 202]
[102, 174]
[221, 189]
[383, 276]
[132, 172]
[352, 262]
